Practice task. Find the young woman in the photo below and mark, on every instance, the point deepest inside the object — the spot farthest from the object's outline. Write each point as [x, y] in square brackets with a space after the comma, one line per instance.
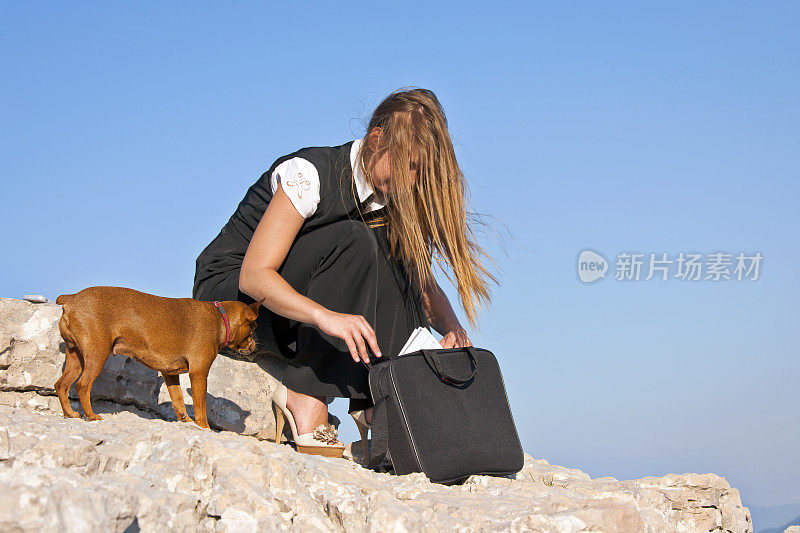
[340, 241]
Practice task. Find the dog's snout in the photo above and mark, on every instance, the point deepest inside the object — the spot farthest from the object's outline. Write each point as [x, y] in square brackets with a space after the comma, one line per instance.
[249, 347]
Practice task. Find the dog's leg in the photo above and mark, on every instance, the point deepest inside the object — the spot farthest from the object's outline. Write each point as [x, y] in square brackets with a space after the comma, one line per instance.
[176, 395]
[94, 358]
[199, 379]
[73, 366]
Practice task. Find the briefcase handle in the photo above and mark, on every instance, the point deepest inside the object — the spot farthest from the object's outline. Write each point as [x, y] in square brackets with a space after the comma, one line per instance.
[432, 357]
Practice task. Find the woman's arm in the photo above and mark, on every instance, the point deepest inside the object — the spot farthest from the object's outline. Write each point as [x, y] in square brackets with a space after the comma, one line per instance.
[259, 278]
[442, 317]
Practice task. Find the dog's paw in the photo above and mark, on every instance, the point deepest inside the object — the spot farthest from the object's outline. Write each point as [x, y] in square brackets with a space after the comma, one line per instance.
[94, 418]
[72, 414]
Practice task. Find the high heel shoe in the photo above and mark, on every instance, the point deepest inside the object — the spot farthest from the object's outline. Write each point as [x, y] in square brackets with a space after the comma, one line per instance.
[321, 441]
[361, 422]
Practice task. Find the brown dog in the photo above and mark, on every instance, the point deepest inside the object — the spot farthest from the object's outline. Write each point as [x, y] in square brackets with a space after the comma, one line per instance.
[171, 335]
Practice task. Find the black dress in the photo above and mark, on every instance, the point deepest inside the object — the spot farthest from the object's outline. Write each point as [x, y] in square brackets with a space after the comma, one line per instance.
[340, 259]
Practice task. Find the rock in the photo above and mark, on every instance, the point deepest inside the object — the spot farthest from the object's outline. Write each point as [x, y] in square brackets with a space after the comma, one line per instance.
[130, 471]
[32, 358]
[136, 470]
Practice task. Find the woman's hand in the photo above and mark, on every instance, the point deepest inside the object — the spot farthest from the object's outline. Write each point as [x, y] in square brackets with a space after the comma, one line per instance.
[455, 339]
[440, 315]
[353, 330]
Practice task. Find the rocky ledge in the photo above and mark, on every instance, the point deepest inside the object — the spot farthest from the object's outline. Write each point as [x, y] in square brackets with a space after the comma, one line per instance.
[136, 471]
[131, 472]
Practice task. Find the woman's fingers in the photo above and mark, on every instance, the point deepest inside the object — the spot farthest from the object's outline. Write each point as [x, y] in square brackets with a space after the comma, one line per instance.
[448, 341]
[362, 348]
[455, 339]
[463, 340]
[369, 335]
[351, 346]
[357, 333]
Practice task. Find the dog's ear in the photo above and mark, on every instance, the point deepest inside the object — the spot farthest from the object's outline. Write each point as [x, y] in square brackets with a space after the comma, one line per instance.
[252, 309]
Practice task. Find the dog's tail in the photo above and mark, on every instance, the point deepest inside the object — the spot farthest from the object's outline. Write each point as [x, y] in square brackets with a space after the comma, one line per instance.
[63, 323]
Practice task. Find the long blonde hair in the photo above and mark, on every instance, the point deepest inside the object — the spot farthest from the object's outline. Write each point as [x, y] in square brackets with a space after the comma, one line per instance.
[429, 219]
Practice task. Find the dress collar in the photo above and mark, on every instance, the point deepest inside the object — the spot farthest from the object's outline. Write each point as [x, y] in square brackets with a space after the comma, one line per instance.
[362, 187]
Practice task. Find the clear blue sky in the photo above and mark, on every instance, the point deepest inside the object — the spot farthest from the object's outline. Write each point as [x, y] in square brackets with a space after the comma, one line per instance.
[130, 131]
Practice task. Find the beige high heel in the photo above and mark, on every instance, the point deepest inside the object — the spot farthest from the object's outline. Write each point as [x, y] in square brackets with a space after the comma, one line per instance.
[321, 441]
[361, 423]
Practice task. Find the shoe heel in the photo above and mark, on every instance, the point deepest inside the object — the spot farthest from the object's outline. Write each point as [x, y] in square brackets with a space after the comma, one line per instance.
[363, 428]
[282, 413]
[279, 422]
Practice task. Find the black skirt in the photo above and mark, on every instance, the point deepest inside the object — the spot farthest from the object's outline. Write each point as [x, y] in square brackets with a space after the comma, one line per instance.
[346, 267]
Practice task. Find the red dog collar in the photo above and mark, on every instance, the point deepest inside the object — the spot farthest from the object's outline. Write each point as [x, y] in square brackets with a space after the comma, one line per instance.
[225, 320]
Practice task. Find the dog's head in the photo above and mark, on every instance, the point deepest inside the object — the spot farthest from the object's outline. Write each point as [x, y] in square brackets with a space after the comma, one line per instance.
[242, 318]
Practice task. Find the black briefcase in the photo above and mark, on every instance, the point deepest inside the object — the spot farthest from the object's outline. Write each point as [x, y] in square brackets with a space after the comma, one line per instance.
[445, 413]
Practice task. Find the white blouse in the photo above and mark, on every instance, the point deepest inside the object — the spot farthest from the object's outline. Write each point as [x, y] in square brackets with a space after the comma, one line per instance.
[300, 181]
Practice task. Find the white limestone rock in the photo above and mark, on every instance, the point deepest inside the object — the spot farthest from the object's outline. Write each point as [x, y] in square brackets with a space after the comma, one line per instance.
[133, 470]
[136, 471]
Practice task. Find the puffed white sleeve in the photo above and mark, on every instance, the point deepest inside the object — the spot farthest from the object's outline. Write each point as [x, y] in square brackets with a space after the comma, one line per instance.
[300, 181]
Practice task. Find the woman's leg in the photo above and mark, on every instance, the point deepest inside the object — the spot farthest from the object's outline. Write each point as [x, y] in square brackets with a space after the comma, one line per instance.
[307, 260]
[337, 266]
[399, 309]
[343, 280]
[346, 267]
[357, 276]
